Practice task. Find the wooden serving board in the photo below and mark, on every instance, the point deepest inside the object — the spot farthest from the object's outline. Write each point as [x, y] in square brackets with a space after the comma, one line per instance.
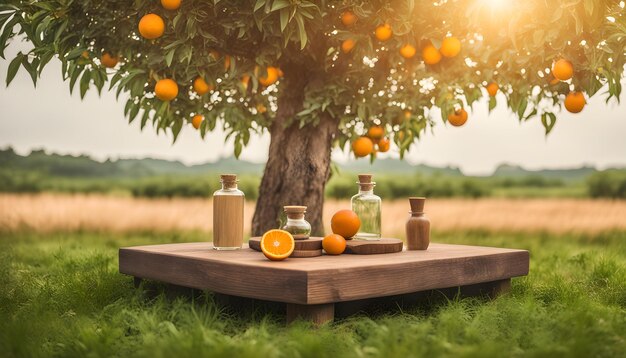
[357, 247]
[371, 247]
[312, 243]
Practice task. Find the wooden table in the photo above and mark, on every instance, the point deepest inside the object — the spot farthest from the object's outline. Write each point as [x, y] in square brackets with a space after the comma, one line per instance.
[311, 286]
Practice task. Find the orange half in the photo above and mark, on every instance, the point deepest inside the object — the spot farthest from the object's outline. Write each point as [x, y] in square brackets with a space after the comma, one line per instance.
[277, 244]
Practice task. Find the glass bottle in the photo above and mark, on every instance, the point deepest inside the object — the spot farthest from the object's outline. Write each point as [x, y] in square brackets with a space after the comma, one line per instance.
[417, 226]
[367, 207]
[299, 228]
[228, 205]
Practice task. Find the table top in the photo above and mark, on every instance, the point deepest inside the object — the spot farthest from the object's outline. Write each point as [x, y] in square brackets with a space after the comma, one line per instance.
[322, 279]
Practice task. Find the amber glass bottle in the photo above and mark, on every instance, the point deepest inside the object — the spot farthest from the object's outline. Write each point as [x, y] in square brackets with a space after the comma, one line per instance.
[417, 226]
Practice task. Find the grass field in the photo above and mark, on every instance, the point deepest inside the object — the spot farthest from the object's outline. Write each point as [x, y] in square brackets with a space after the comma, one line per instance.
[63, 296]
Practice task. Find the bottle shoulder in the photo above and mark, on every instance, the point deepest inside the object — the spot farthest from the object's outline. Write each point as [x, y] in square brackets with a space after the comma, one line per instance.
[230, 192]
[366, 197]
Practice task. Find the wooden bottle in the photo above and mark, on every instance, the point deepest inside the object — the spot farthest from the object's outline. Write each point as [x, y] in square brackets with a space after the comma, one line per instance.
[417, 226]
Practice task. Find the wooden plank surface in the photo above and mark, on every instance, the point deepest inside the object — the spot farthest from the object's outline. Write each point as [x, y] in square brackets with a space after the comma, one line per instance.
[382, 246]
[322, 279]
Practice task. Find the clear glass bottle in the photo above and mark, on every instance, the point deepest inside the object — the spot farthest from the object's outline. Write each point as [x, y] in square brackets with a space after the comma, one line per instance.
[228, 205]
[367, 207]
[299, 228]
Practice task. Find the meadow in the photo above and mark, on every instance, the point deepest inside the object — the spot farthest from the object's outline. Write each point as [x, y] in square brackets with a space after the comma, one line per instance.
[63, 296]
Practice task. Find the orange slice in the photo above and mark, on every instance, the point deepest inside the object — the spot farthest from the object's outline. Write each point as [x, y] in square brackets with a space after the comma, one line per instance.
[277, 244]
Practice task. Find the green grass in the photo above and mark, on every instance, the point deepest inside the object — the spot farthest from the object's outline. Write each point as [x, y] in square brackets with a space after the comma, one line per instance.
[61, 295]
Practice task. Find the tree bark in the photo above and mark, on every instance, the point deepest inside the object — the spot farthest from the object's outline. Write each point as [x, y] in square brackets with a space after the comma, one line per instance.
[299, 161]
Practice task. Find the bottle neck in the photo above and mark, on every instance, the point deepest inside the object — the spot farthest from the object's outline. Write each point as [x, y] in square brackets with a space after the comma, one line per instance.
[229, 186]
[416, 214]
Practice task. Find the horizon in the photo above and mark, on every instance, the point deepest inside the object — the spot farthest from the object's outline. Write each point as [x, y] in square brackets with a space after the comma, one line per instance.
[115, 159]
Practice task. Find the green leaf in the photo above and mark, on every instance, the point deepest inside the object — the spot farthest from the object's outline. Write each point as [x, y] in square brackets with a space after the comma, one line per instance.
[279, 4]
[548, 120]
[259, 4]
[301, 31]
[492, 103]
[84, 83]
[13, 67]
[284, 19]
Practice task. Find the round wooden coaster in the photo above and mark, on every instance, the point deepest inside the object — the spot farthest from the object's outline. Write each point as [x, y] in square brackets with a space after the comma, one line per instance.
[371, 247]
[312, 243]
[306, 253]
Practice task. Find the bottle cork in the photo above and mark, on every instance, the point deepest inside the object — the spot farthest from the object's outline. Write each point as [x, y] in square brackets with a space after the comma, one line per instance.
[417, 204]
[295, 211]
[229, 180]
[365, 182]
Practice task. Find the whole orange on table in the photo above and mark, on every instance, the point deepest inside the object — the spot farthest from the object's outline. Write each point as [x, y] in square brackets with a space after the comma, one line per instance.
[277, 244]
[334, 244]
[345, 223]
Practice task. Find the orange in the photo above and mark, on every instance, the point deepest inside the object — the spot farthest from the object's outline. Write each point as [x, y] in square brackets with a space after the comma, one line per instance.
[261, 108]
[196, 121]
[270, 77]
[245, 81]
[201, 86]
[345, 223]
[431, 55]
[107, 60]
[554, 80]
[383, 145]
[450, 46]
[563, 70]
[151, 26]
[347, 45]
[407, 51]
[348, 18]
[376, 132]
[362, 147]
[166, 89]
[170, 4]
[215, 55]
[575, 102]
[334, 244]
[458, 118]
[277, 244]
[492, 89]
[383, 32]
[85, 54]
[280, 72]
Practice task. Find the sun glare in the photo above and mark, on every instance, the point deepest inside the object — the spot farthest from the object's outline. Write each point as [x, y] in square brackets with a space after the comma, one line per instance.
[496, 4]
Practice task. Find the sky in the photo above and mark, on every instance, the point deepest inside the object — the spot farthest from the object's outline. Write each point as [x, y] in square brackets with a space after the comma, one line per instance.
[48, 117]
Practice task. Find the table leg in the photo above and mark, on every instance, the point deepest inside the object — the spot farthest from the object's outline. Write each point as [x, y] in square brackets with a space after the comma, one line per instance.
[492, 289]
[318, 314]
[137, 281]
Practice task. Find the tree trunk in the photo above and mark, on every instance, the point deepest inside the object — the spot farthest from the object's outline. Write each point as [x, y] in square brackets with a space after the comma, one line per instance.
[299, 161]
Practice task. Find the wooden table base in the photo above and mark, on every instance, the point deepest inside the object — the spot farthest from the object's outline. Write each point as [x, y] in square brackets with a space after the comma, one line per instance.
[319, 288]
[325, 313]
